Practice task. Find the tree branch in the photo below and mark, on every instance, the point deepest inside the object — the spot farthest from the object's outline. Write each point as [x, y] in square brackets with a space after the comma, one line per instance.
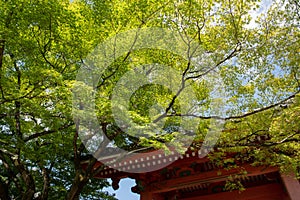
[27, 178]
[238, 116]
[231, 55]
[11, 174]
[18, 103]
[36, 135]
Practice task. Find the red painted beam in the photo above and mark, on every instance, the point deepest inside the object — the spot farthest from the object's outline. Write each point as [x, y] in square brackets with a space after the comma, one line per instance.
[272, 191]
[206, 177]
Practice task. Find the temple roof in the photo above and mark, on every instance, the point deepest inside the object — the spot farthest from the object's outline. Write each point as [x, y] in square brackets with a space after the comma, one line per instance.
[150, 160]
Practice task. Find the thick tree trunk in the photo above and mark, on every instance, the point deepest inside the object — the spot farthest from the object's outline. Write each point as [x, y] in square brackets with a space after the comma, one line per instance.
[30, 185]
[4, 191]
[79, 182]
[28, 180]
[46, 185]
[28, 195]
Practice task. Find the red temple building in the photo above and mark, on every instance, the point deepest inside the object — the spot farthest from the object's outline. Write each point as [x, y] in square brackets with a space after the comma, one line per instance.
[189, 177]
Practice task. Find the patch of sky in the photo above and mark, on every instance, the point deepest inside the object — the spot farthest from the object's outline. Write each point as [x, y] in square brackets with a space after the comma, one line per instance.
[263, 8]
[264, 93]
[124, 192]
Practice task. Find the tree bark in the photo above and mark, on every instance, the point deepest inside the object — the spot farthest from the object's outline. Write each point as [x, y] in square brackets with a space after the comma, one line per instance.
[28, 180]
[78, 184]
[4, 191]
[46, 185]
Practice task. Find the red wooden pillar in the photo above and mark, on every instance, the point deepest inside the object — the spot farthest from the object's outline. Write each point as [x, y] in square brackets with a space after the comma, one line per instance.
[292, 186]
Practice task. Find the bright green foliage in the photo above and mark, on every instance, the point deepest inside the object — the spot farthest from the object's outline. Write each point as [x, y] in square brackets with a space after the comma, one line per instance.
[44, 43]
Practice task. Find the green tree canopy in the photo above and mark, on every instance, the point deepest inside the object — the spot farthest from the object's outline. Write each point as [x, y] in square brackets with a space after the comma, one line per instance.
[235, 55]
